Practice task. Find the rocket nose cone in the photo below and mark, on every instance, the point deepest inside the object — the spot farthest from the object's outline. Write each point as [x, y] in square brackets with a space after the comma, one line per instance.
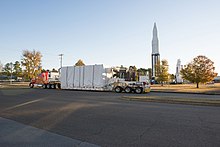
[155, 25]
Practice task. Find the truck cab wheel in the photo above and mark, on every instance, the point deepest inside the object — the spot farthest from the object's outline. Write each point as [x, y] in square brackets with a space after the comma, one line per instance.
[118, 89]
[53, 86]
[31, 85]
[48, 86]
[45, 86]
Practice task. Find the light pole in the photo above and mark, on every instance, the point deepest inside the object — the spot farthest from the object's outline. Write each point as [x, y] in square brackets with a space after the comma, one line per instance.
[11, 73]
[61, 58]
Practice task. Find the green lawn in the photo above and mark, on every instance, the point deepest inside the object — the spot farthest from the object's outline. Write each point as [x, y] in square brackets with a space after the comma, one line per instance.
[204, 88]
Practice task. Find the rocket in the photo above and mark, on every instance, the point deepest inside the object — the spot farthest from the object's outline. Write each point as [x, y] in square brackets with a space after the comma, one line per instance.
[155, 41]
[155, 56]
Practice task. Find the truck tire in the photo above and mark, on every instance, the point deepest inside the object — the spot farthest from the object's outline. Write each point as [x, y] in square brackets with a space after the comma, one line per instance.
[118, 89]
[45, 86]
[128, 89]
[59, 85]
[138, 90]
[31, 85]
[53, 86]
[48, 86]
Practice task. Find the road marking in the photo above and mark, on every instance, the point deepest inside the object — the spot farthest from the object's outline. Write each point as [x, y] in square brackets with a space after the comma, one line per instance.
[23, 104]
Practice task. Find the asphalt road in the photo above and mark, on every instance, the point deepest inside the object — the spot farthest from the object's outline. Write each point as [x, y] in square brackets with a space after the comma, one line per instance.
[104, 119]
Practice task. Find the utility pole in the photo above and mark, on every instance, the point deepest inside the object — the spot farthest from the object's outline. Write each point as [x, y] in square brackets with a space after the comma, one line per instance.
[61, 60]
[11, 73]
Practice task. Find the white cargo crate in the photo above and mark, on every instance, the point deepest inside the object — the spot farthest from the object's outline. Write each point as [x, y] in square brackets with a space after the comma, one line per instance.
[89, 77]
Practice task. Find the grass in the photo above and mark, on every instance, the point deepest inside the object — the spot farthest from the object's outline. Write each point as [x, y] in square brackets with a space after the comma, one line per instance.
[14, 85]
[189, 88]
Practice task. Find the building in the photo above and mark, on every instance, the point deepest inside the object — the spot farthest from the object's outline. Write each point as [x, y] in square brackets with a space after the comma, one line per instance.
[155, 56]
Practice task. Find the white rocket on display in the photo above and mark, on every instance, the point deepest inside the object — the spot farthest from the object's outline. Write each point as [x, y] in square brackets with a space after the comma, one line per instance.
[178, 68]
[155, 52]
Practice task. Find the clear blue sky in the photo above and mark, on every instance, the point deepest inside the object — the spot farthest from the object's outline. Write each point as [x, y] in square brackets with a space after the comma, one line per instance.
[110, 32]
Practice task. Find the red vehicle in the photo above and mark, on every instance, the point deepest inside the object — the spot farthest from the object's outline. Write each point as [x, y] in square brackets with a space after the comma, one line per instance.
[46, 80]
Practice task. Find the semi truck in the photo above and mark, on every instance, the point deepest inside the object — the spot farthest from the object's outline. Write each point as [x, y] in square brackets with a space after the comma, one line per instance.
[89, 77]
[46, 79]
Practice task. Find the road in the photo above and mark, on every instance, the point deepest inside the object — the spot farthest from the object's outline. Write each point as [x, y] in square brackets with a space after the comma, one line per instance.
[104, 119]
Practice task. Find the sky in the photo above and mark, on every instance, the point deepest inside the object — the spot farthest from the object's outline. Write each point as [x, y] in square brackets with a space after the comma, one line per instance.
[110, 32]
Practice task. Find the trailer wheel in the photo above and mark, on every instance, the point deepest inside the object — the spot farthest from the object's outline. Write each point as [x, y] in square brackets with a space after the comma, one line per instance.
[118, 89]
[128, 89]
[138, 90]
[31, 85]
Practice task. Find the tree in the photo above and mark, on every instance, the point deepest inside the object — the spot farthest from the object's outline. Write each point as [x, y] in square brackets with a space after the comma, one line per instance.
[79, 63]
[54, 70]
[8, 69]
[32, 62]
[149, 70]
[132, 74]
[17, 69]
[1, 67]
[200, 70]
[142, 72]
[171, 78]
[163, 75]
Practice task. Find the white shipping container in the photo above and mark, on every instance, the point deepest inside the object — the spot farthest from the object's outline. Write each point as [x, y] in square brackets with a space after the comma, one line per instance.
[89, 77]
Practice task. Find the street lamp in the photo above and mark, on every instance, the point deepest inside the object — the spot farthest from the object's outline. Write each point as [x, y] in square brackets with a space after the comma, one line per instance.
[11, 73]
[61, 60]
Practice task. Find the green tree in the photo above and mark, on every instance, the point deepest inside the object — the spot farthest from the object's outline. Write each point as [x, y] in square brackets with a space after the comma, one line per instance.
[79, 63]
[54, 70]
[17, 69]
[32, 62]
[1, 67]
[163, 75]
[8, 69]
[171, 77]
[149, 70]
[132, 74]
[200, 70]
[142, 72]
